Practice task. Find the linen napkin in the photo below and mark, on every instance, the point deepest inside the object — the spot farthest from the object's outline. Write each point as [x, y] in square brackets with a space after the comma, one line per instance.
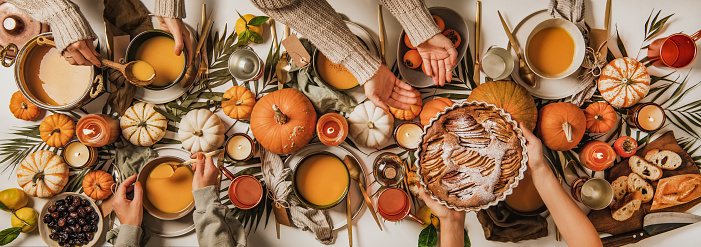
[324, 99]
[571, 10]
[500, 224]
[130, 159]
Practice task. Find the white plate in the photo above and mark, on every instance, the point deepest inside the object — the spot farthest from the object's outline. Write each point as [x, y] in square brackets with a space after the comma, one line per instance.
[337, 213]
[545, 88]
[44, 230]
[453, 20]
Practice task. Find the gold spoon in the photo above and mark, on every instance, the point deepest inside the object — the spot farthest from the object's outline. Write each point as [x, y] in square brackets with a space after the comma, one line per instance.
[126, 69]
[174, 167]
[283, 64]
[354, 171]
[524, 71]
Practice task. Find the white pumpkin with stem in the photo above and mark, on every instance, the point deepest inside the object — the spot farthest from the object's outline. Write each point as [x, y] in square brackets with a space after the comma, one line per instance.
[42, 174]
[142, 125]
[201, 131]
[370, 125]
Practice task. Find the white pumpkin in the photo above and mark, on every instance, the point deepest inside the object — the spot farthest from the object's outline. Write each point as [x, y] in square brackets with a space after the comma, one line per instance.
[201, 131]
[42, 174]
[142, 125]
[370, 126]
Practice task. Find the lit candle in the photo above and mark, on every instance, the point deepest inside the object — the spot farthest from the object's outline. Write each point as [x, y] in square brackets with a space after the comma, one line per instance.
[239, 147]
[78, 155]
[97, 130]
[332, 129]
[647, 117]
[597, 155]
[408, 135]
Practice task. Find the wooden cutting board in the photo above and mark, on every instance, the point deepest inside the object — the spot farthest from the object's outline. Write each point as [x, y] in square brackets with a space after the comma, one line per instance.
[602, 220]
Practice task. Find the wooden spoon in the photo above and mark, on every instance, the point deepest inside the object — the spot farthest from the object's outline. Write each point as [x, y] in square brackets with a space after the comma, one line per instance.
[126, 69]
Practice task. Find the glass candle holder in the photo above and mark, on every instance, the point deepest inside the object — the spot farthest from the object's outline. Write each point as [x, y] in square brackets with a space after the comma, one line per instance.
[388, 169]
[648, 117]
[240, 147]
[407, 135]
[97, 130]
[78, 155]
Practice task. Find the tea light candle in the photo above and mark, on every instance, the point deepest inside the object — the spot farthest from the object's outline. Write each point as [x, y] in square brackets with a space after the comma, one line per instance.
[79, 155]
[332, 129]
[647, 117]
[408, 135]
[239, 147]
[597, 155]
[97, 130]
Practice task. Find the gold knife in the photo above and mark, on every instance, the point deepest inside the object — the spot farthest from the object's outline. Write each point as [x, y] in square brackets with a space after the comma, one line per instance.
[524, 71]
[350, 220]
[478, 20]
[351, 164]
[382, 34]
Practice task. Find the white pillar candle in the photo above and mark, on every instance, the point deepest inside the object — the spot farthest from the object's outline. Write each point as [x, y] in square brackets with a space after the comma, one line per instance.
[239, 147]
[409, 135]
[650, 117]
[76, 154]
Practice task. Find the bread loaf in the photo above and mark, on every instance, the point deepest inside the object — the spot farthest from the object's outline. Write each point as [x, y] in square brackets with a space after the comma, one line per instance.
[644, 169]
[620, 188]
[637, 183]
[664, 159]
[675, 190]
[625, 208]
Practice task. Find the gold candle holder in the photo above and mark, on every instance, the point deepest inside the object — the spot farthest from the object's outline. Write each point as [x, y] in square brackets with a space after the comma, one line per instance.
[78, 155]
[648, 117]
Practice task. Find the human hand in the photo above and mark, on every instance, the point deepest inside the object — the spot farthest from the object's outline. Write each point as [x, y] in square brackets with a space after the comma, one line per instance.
[180, 34]
[129, 212]
[386, 89]
[536, 161]
[439, 57]
[445, 214]
[205, 171]
[82, 52]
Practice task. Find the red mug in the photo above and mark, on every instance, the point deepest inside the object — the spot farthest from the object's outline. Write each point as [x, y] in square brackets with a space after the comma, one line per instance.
[245, 191]
[393, 204]
[676, 51]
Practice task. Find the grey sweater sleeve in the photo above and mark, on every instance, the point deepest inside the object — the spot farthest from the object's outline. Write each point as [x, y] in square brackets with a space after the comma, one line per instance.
[129, 236]
[170, 8]
[214, 224]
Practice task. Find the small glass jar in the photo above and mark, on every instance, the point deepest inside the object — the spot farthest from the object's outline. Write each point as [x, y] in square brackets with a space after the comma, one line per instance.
[648, 117]
[388, 169]
[78, 155]
[240, 147]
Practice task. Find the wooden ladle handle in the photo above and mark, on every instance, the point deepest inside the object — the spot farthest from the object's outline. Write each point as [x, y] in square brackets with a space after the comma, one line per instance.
[44, 41]
[113, 64]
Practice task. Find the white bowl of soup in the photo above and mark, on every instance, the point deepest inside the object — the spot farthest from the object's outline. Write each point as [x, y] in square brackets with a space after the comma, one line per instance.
[321, 180]
[157, 47]
[555, 49]
[167, 190]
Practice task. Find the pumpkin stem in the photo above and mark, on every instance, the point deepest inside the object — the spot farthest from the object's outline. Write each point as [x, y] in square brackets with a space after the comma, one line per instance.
[24, 105]
[238, 102]
[197, 133]
[567, 128]
[280, 118]
[97, 186]
[56, 130]
[371, 125]
[38, 176]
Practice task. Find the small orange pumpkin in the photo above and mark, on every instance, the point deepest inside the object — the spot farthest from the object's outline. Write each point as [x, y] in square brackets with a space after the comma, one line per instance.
[57, 130]
[411, 113]
[238, 102]
[624, 82]
[511, 97]
[283, 121]
[22, 108]
[561, 125]
[433, 107]
[98, 185]
[600, 117]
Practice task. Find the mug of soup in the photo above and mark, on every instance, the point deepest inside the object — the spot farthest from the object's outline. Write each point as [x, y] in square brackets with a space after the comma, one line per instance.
[393, 204]
[167, 188]
[555, 49]
[156, 47]
[321, 180]
[676, 51]
[50, 82]
[245, 191]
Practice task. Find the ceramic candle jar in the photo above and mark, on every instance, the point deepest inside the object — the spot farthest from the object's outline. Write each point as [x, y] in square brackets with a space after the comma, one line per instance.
[240, 147]
[332, 129]
[78, 155]
[408, 135]
[97, 130]
[597, 155]
[648, 117]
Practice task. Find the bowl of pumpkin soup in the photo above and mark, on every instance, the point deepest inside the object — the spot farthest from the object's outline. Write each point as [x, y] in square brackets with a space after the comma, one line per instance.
[555, 49]
[157, 48]
[321, 180]
[167, 188]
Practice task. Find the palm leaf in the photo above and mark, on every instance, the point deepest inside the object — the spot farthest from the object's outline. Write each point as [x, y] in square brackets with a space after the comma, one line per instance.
[14, 150]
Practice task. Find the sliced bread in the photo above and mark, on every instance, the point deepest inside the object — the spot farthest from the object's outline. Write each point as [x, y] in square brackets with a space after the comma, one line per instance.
[664, 159]
[620, 188]
[637, 183]
[644, 169]
[625, 208]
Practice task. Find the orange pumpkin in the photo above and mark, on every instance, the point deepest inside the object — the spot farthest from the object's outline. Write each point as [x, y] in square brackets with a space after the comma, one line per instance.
[98, 185]
[411, 113]
[283, 121]
[238, 102]
[624, 82]
[22, 108]
[57, 130]
[511, 97]
[561, 125]
[600, 117]
[432, 108]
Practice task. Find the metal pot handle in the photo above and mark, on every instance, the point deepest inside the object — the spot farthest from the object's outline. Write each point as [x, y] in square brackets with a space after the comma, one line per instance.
[96, 87]
[6, 59]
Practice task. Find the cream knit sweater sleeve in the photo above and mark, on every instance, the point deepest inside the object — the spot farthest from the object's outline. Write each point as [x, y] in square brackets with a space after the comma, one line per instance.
[69, 25]
[319, 22]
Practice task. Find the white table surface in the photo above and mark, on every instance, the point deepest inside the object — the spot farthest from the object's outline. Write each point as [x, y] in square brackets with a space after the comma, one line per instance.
[628, 15]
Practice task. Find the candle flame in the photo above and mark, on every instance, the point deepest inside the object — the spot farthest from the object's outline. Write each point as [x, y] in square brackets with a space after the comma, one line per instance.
[599, 155]
[88, 131]
[651, 119]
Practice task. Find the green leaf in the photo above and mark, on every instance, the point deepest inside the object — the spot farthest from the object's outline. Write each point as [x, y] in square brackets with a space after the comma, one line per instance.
[9, 234]
[256, 38]
[428, 237]
[467, 239]
[244, 38]
[241, 16]
[621, 47]
[3, 207]
[258, 20]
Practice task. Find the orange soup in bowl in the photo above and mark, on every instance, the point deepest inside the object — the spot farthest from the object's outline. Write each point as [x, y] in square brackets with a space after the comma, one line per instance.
[551, 50]
[168, 190]
[335, 75]
[321, 180]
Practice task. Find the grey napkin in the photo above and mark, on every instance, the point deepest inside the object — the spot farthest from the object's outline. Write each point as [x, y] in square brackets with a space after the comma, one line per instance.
[130, 158]
[571, 10]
